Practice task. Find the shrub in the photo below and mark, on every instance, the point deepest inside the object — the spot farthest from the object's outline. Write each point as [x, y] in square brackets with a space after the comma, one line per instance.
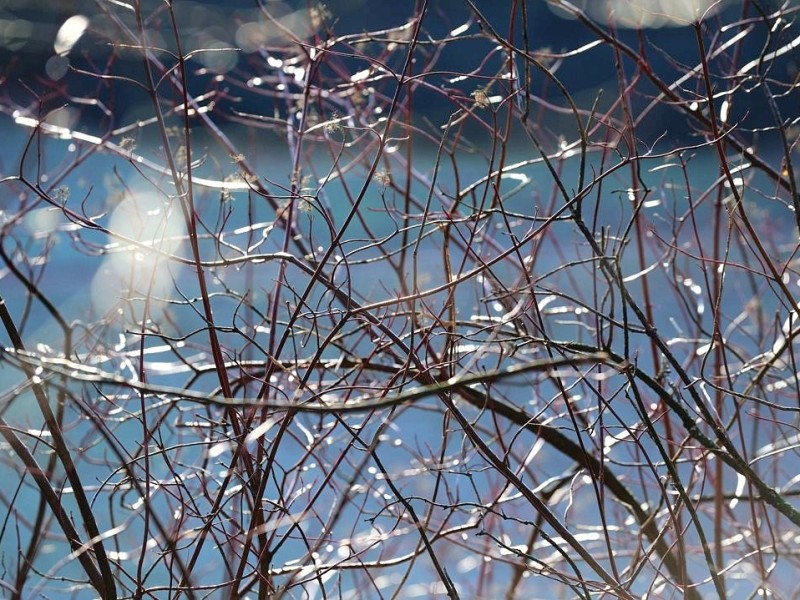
[403, 312]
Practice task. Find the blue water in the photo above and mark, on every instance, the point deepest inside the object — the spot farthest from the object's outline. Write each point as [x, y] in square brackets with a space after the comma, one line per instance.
[89, 282]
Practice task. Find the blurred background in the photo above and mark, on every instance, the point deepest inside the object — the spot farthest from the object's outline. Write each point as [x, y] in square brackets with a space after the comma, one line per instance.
[44, 45]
